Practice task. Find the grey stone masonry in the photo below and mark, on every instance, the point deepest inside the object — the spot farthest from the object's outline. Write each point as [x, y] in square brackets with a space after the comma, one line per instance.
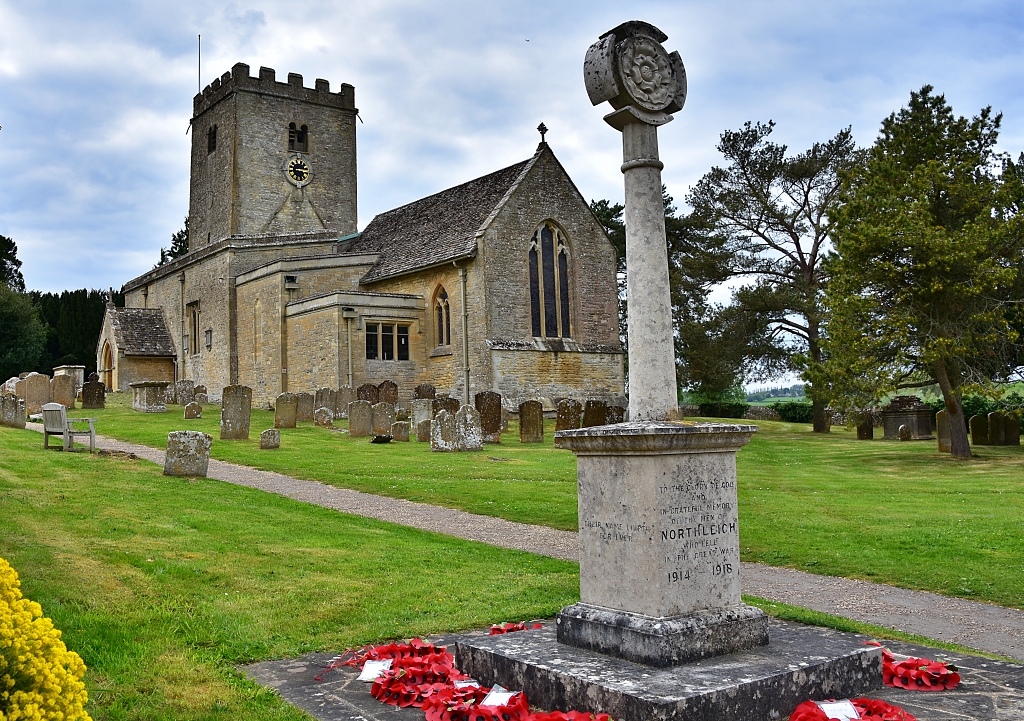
[595, 413]
[304, 407]
[360, 418]
[12, 411]
[383, 415]
[94, 393]
[425, 391]
[442, 433]
[468, 433]
[400, 430]
[568, 415]
[531, 422]
[63, 391]
[423, 430]
[188, 453]
[235, 413]
[387, 392]
[942, 426]
[488, 404]
[979, 430]
[193, 410]
[285, 410]
[149, 396]
[270, 439]
[368, 392]
[184, 392]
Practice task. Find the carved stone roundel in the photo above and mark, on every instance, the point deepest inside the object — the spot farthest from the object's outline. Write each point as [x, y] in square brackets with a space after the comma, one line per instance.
[647, 73]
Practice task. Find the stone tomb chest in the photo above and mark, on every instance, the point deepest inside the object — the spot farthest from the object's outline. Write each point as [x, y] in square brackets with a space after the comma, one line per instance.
[911, 412]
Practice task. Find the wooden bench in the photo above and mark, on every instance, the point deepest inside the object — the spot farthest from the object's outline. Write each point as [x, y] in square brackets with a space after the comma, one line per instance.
[57, 423]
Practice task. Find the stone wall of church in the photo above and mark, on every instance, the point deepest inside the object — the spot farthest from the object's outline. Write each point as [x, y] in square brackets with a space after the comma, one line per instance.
[133, 369]
[259, 337]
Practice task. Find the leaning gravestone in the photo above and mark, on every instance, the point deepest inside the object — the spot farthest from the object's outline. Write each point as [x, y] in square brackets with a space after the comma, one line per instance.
[1012, 432]
[979, 430]
[531, 422]
[194, 410]
[12, 411]
[188, 454]
[360, 418]
[62, 390]
[423, 430]
[425, 391]
[387, 392]
[94, 393]
[325, 398]
[235, 413]
[149, 396]
[270, 439]
[942, 426]
[304, 407]
[35, 389]
[468, 431]
[285, 410]
[442, 433]
[568, 415]
[323, 417]
[996, 428]
[595, 413]
[369, 393]
[383, 417]
[346, 395]
[488, 405]
[184, 392]
[400, 430]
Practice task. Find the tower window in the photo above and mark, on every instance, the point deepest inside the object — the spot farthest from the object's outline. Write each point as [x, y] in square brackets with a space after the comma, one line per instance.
[548, 262]
[211, 139]
[298, 138]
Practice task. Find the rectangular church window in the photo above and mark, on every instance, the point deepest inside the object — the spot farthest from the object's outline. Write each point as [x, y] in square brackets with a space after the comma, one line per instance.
[371, 341]
[403, 342]
[387, 342]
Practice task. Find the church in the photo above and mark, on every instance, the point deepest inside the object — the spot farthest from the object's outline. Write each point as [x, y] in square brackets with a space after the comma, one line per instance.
[504, 283]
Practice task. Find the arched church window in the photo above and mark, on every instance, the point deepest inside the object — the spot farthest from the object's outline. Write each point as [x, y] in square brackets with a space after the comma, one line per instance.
[549, 283]
[211, 139]
[298, 138]
[444, 319]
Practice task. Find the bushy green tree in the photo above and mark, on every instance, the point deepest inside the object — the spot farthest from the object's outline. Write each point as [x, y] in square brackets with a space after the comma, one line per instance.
[179, 246]
[73, 320]
[10, 266]
[21, 333]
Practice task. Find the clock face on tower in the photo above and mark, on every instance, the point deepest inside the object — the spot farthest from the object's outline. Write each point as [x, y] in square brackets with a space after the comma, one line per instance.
[298, 170]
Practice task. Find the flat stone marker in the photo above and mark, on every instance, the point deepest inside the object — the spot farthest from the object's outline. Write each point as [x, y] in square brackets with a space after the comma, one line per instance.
[424, 391]
[235, 413]
[368, 392]
[568, 415]
[188, 454]
[94, 393]
[423, 430]
[325, 398]
[63, 391]
[383, 418]
[285, 410]
[12, 411]
[184, 392]
[35, 389]
[488, 405]
[387, 392]
[942, 426]
[442, 433]
[468, 432]
[360, 418]
[149, 396]
[996, 428]
[323, 417]
[615, 414]
[531, 422]
[193, 410]
[400, 431]
[595, 413]
[979, 430]
[304, 407]
[346, 394]
[270, 439]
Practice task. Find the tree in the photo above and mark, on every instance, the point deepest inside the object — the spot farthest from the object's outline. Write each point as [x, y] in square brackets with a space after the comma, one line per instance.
[10, 266]
[769, 213]
[926, 283]
[179, 246]
[21, 333]
[610, 216]
[72, 321]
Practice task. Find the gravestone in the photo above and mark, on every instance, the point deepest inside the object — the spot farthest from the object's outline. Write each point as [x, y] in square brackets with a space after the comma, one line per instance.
[94, 393]
[12, 411]
[909, 411]
[442, 433]
[504, 418]
[979, 430]
[10, 386]
[425, 391]
[235, 413]
[447, 404]
[325, 398]
[270, 439]
[369, 393]
[531, 422]
[942, 426]
[996, 428]
[488, 405]
[201, 395]
[400, 430]
[387, 392]
[76, 372]
[905, 433]
[346, 394]
[423, 430]
[866, 430]
[35, 390]
[569, 415]
[383, 417]
[193, 411]
[468, 431]
[184, 392]
[304, 407]
[615, 414]
[402, 414]
[188, 454]
[169, 397]
[63, 391]
[360, 418]
[595, 413]
[323, 417]
[149, 396]
[285, 410]
[1012, 432]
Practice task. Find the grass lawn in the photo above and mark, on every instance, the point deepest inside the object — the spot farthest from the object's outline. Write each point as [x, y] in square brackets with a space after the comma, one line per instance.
[163, 585]
[898, 513]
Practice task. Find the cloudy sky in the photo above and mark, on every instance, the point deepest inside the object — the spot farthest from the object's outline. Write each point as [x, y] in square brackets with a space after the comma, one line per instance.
[95, 97]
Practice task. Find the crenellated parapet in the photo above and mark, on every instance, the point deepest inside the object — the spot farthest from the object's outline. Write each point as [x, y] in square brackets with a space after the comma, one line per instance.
[238, 79]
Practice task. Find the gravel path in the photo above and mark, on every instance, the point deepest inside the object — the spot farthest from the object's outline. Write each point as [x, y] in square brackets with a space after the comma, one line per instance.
[975, 625]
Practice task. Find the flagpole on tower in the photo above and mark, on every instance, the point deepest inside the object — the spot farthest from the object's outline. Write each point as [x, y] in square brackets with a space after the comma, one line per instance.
[199, 69]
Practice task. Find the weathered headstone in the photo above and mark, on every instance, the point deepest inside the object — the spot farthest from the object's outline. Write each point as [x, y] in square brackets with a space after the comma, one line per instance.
[402, 414]
[595, 413]
[400, 430]
[468, 431]
[942, 426]
[387, 392]
[76, 372]
[531, 422]
[188, 453]
[615, 414]
[149, 396]
[865, 431]
[35, 390]
[323, 417]
[94, 393]
[442, 432]
[270, 439]
[425, 391]
[285, 410]
[422, 410]
[325, 398]
[199, 389]
[346, 394]
[996, 428]
[488, 405]
[448, 404]
[12, 411]
[1012, 431]
[202, 398]
[194, 410]
[235, 413]
[568, 415]
[304, 407]
[423, 430]
[979, 430]
[383, 415]
[10, 386]
[169, 396]
[184, 392]
[63, 391]
[905, 434]
[369, 393]
[504, 418]
[360, 418]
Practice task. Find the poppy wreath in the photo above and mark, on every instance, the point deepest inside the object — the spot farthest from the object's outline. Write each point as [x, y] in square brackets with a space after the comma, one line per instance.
[464, 705]
[869, 709]
[356, 657]
[410, 680]
[917, 674]
[500, 628]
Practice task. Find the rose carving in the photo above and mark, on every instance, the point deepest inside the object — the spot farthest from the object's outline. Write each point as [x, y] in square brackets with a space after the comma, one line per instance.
[646, 73]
